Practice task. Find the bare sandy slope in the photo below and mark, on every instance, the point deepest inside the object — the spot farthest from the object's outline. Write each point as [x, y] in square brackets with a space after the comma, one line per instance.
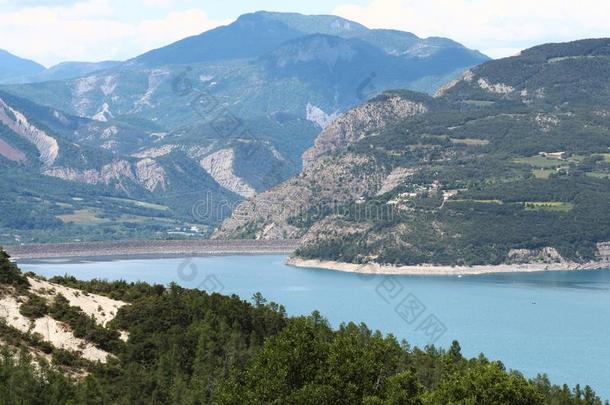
[52, 331]
[55, 332]
[433, 270]
[103, 309]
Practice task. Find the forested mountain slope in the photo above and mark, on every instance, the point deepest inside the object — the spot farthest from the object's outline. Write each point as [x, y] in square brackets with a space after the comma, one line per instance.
[510, 163]
[242, 102]
[116, 342]
[57, 183]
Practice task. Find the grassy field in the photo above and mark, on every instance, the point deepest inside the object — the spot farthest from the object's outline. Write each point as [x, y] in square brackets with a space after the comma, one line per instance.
[581, 57]
[606, 157]
[141, 204]
[84, 216]
[499, 202]
[599, 175]
[89, 216]
[554, 206]
[470, 141]
[541, 162]
[143, 219]
[543, 174]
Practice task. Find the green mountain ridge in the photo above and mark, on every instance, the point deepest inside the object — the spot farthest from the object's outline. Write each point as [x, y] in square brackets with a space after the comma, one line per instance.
[509, 164]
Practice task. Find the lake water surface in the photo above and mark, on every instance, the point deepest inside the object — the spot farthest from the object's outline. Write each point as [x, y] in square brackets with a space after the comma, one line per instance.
[552, 322]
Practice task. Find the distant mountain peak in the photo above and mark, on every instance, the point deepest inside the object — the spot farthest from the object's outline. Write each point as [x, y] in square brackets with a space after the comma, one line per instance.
[13, 66]
[251, 35]
[320, 24]
[260, 33]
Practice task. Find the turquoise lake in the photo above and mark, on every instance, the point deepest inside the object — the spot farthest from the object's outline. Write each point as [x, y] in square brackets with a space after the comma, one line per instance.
[550, 322]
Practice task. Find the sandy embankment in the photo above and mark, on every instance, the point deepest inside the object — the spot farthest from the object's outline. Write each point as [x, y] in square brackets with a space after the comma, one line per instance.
[55, 332]
[433, 270]
[102, 308]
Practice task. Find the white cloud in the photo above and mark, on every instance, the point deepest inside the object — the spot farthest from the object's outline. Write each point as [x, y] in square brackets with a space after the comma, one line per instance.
[157, 3]
[93, 30]
[496, 27]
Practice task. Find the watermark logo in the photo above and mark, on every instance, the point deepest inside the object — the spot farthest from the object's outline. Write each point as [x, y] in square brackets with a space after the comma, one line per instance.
[389, 289]
[225, 123]
[291, 208]
[366, 88]
[189, 272]
[410, 308]
[202, 209]
[432, 328]
[220, 119]
[204, 104]
[405, 304]
[182, 85]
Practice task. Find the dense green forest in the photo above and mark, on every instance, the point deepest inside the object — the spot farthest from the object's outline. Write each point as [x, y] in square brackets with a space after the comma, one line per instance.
[190, 347]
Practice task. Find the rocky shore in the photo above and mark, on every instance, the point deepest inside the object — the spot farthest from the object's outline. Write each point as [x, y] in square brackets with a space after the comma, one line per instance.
[435, 270]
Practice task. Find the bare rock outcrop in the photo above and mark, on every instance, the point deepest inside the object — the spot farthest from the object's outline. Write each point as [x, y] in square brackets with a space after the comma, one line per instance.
[47, 146]
[356, 123]
[117, 171]
[327, 180]
[150, 174]
[59, 334]
[219, 165]
[285, 211]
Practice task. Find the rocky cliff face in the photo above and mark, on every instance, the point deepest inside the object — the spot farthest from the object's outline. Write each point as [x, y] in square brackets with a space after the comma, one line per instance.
[356, 123]
[18, 123]
[151, 175]
[123, 172]
[284, 211]
[219, 165]
[328, 180]
[146, 173]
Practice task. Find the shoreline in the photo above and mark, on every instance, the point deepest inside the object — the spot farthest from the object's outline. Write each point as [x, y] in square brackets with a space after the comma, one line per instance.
[149, 249]
[440, 270]
[132, 250]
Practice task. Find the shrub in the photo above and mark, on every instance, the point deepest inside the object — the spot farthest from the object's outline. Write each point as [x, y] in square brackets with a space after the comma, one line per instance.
[10, 274]
[35, 307]
[65, 357]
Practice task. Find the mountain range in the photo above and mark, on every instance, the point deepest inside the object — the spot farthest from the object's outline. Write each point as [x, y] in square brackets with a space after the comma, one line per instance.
[14, 69]
[510, 163]
[12, 66]
[195, 126]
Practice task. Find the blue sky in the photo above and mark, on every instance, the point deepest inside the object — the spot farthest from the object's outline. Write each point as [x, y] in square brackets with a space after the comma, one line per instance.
[50, 31]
